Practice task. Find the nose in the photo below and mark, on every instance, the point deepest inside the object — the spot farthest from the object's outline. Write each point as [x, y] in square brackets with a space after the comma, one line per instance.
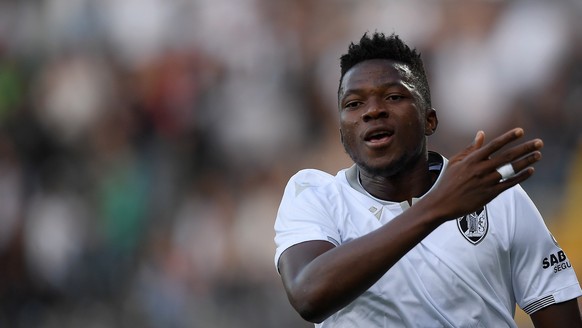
[374, 111]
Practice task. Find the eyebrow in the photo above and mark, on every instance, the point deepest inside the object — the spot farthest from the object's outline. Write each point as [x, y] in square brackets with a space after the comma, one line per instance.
[382, 86]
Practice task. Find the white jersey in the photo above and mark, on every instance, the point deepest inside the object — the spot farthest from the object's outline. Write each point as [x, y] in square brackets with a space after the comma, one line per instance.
[469, 272]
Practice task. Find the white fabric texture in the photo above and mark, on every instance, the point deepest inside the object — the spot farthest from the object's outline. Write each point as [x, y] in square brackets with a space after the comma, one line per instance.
[449, 279]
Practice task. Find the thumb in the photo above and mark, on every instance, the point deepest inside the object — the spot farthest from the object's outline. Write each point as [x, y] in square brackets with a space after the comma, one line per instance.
[478, 141]
[476, 144]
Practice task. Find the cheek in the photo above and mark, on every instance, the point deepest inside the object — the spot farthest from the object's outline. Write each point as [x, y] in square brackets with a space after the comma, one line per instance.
[347, 135]
[415, 124]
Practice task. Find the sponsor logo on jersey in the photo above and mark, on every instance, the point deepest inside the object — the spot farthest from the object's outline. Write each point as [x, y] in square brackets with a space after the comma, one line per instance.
[474, 226]
[558, 261]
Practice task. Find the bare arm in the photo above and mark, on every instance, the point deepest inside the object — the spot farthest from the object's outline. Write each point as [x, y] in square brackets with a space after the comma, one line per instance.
[562, 315]
[320, 279]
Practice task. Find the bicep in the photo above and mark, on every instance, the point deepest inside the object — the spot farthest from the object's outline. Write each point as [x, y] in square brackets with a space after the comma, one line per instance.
[565, 314]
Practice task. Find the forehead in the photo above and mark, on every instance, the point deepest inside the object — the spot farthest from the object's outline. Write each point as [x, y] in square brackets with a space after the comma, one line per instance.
[376, 71]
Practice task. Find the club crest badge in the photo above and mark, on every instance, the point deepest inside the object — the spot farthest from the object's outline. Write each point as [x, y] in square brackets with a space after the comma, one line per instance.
[474, 226]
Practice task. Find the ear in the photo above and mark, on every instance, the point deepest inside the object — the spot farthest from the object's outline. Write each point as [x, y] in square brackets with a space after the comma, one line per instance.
[432, 122]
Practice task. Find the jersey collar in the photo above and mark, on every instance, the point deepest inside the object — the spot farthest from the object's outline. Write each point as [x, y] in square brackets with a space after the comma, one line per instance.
[436, 162]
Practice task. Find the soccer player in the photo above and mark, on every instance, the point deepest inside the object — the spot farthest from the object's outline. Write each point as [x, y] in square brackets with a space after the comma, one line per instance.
[405, 237]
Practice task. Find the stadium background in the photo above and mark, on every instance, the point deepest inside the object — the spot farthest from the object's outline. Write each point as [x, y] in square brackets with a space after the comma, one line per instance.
[145, 144]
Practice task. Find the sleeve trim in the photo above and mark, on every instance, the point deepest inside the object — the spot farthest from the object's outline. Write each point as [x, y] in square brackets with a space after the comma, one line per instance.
[281, 248]
[539, 304]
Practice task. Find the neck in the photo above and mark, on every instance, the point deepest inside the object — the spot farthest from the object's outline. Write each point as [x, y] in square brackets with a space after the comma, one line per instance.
[402, 186]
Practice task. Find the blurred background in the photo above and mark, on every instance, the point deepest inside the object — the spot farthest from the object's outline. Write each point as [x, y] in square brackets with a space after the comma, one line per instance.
[145, 144]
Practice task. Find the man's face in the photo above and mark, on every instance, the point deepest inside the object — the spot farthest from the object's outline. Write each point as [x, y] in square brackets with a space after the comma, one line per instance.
[382, 120]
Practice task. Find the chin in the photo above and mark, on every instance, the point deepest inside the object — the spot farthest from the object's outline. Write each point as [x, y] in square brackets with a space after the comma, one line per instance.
[377, 165]
[384, 166]
[378, 169]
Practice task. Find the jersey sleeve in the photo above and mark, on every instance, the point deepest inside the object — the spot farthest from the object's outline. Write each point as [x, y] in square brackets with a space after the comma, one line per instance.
[541, 272]
[303, 214]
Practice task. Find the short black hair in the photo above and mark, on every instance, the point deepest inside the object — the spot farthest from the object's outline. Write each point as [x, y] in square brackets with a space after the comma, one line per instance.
[378, 46]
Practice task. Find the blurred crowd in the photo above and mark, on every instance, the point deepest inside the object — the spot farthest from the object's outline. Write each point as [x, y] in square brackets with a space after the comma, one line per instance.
[145, 144]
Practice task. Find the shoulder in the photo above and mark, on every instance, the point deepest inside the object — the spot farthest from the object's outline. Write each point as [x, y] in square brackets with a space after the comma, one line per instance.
[313, 176]
[515, 195]
[310, 179]
[310, 186]
[514, 203]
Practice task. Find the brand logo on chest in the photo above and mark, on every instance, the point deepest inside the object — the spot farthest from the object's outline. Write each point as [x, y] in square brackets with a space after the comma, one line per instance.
[474, 226]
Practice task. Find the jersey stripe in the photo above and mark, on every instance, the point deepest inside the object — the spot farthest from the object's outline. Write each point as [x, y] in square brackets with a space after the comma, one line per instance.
[539, 304]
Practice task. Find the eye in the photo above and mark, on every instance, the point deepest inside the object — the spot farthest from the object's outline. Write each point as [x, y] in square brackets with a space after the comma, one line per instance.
[394, 97]
[352, 104]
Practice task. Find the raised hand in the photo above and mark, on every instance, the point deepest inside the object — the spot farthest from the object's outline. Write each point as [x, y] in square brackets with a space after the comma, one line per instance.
[472, 178]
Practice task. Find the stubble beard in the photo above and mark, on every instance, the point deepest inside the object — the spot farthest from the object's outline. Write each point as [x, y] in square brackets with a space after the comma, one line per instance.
[381, 171]
[391, 169]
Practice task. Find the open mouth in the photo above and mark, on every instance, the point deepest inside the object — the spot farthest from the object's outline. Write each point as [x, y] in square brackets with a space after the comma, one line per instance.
[378, 136]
